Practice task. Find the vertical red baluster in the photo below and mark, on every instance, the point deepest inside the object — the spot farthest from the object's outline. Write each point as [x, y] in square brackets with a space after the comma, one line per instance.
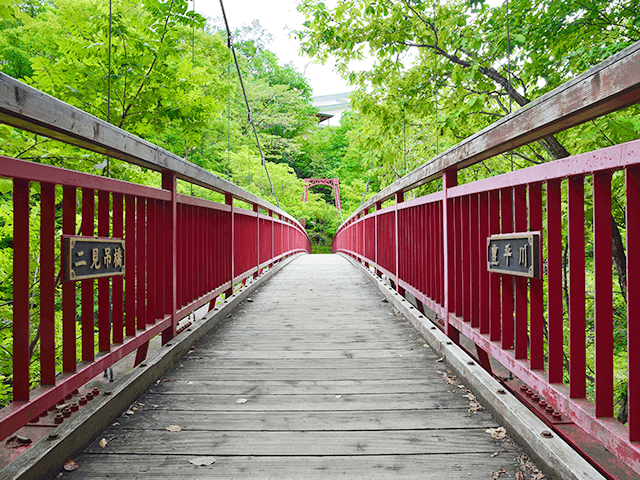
[554, 280]
[483, 274]
[506, 221]
[521, 294]
[69, 288]
[495, 306]
[118, 304]
[160, 259]
[449, 179]
[256, 209]
[228, 198]
[474, 249]
[189, 273]
[399, 256]
[88, 216]
[458, 272]
[633, 312]
[273, 245]
[130, 265]
[428, 267]
[141, 254]
[577, 322]
[440, 247]
[466, 244]
[21, 275]
[152, 234]
[603, 318]
[104, 303]
[181, 256]
[171, 239]
[536, 285]
[208, 244]
[47, 284]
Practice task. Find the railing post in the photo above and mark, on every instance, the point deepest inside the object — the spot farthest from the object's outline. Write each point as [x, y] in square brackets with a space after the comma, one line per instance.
[399, 199]
[364, 236]
[228, 199]
[273, 246]
[257, 210]
[21, 290]
[449, 179]
[169, 183]
[378, 207]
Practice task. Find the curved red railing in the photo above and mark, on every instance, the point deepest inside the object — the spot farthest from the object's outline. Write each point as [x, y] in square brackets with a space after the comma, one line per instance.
[180, 253]
[435, 248]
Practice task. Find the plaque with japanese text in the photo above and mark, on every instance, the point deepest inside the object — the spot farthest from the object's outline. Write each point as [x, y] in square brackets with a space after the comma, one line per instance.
[85, 258]
[514, 254]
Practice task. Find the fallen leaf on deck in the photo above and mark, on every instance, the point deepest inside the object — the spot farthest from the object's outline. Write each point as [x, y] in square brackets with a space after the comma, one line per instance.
[498, 473]
[129, 412]
[519, 476]
[103, 442]
[203, 461]
[450, 379]
[240, 401]
[249, 299]
[493, 454]
[440, 359]
[70, 465]
[497, 433]
[538, 476]
[17, 441]
[174, 428]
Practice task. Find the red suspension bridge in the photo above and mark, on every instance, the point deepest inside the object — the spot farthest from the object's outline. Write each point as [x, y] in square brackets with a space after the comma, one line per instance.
[166, 255]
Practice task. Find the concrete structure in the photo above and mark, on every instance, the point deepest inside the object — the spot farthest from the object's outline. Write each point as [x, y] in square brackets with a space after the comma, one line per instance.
[331, 108]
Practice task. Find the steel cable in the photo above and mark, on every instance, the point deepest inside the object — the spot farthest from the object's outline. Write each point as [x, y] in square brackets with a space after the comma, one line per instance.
[246, 100]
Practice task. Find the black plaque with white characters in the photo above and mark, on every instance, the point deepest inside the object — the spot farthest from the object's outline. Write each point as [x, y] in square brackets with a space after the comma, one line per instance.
[90, 257]
[514, 254]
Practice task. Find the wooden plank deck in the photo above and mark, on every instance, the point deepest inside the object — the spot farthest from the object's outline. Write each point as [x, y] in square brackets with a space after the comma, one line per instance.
[336, 383]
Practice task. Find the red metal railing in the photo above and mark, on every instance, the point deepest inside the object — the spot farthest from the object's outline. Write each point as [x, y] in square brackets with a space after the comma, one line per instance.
[181, 253]
[434, 247]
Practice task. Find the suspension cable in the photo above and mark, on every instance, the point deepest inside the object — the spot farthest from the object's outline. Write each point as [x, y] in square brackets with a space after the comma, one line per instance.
[246, 101]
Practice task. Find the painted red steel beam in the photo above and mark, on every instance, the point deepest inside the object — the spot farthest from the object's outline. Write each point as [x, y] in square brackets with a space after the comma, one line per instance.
[17, 414]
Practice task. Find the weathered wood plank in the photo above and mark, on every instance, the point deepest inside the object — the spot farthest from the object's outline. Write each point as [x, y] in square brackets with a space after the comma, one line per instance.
[208, 372]
[315, 354]
[374, 467]
[293, 387]
[208, 402]
[150, 418]
[396, 442]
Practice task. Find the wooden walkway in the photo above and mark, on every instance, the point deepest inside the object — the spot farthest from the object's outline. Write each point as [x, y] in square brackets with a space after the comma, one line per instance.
[314, 377]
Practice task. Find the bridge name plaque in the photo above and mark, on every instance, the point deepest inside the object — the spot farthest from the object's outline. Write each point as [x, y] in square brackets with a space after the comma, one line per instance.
[514, 254]
[85, 258]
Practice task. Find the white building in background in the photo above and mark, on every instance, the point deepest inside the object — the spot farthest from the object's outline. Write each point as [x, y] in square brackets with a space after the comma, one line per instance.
[331, 107]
